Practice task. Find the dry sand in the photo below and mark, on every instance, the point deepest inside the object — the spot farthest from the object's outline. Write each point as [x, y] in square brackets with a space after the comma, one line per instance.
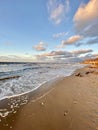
[69, 104]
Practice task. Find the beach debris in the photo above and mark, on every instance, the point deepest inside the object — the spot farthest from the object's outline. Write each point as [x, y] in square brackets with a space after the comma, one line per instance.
[42, 103]
[78, 74]
[65, 113]
[87, 72]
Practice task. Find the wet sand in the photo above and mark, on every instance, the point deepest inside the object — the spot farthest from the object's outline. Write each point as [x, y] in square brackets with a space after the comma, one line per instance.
[68, 104]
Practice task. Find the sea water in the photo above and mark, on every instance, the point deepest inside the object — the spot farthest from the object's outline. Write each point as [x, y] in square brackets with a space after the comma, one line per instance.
[30, 76]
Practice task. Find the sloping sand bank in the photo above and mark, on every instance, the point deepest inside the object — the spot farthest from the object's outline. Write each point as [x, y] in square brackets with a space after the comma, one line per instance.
[70, 104]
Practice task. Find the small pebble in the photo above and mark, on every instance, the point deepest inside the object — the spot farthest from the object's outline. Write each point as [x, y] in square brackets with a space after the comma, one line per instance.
[10, 127]
[65, 113]
[42, 103]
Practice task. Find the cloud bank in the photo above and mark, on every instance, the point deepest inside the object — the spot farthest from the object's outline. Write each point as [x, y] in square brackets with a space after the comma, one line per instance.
[64, 55]
[86, 19]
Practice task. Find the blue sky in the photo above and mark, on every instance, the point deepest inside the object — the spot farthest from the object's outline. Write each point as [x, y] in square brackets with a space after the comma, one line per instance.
[48, 30]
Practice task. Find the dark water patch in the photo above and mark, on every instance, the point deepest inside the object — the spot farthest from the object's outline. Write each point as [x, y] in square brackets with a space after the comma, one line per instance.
[8, 78]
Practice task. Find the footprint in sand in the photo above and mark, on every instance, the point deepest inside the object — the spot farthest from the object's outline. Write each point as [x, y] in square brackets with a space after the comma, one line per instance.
[75, 102]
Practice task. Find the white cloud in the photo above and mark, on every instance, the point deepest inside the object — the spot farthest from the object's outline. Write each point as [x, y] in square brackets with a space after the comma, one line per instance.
[61, 34]
[41, 46]
[63, 55]
[71, 40]
[57, 10]
[79, 52]
[86, 18]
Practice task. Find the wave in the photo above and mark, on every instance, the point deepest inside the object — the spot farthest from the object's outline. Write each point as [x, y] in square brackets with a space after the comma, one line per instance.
[29, 78]
[18, 89]
[19, 71]
[12, 103]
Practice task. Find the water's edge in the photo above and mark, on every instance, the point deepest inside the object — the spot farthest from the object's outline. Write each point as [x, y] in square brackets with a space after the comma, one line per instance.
[10, 104]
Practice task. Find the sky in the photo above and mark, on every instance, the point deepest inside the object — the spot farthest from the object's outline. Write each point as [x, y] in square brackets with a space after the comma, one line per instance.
[48, 30]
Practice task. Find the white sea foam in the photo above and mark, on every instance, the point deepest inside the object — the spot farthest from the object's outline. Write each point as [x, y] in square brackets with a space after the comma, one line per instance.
[31, 76]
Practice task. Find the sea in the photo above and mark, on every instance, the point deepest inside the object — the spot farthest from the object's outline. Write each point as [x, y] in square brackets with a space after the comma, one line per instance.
[20, 78]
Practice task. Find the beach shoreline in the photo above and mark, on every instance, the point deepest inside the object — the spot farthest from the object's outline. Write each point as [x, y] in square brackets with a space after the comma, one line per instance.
[67, 104]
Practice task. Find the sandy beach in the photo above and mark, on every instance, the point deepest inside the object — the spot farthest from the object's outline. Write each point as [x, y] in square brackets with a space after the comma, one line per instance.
[68, 104]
